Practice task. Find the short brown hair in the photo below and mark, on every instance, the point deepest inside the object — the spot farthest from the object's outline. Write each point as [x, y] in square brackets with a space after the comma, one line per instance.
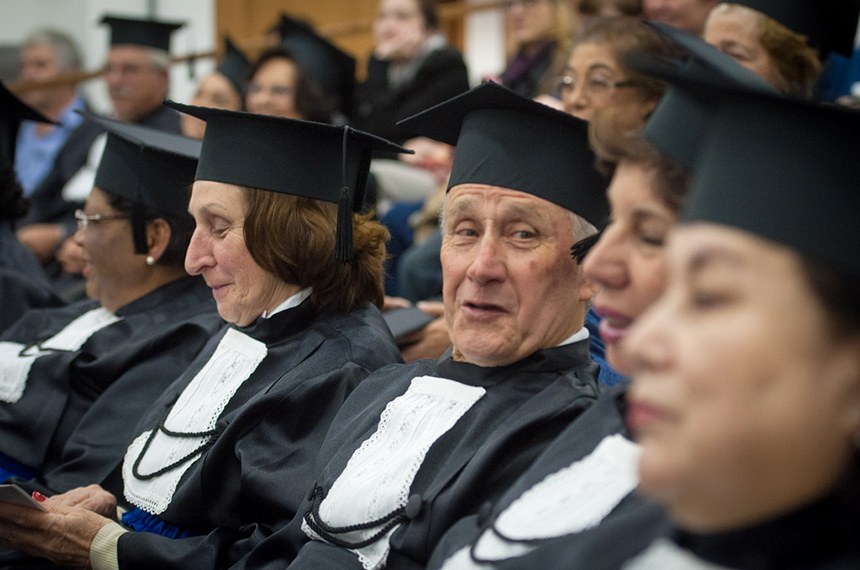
[626, 7]
[294, 238]
[613, 141]
[796, 62]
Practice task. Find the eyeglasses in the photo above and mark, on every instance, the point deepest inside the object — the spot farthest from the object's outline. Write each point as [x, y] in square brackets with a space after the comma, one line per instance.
[85, 219]
[510, 4]
[593, 86]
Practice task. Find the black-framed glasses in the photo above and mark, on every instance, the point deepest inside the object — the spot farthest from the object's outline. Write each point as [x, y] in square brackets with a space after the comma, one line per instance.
[85, 219]
[593, 86]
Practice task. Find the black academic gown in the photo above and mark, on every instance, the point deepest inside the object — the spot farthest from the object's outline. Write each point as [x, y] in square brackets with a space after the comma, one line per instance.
[605, 419]
[130, 361]
[525, 406]
[162, 118]
[254, 474]
[23, 283]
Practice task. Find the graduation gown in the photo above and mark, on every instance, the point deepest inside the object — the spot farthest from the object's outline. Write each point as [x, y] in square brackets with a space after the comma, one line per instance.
[585, 478]
[253, 470]
[455, 434]
[52, 373]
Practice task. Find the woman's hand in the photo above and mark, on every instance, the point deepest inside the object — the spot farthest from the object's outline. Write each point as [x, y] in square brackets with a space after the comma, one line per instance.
[62, 535]
[92, 498]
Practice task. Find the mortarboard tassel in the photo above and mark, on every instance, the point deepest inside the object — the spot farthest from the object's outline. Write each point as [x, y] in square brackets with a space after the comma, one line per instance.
[138, 219]
[343, 238]
[580, 249]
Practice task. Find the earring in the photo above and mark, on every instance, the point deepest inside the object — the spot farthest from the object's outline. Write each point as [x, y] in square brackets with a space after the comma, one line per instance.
[150, 260]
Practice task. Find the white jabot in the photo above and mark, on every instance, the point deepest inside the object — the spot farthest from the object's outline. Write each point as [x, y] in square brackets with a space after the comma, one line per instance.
[15, 361]
[378, 476]
[196, 411]
[579, 335]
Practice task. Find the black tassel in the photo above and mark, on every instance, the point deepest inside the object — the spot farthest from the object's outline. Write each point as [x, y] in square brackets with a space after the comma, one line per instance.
[343, 239]
[138, 229]
[580, 249]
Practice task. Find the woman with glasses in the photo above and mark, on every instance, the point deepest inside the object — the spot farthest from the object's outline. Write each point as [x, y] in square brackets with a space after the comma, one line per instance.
[74, 379]
[541, 31]
[596, 78]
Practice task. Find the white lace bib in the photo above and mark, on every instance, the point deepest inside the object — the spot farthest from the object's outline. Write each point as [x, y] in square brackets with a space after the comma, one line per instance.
[15, 366]
[570, 500]
[378, 476]
[196, 411]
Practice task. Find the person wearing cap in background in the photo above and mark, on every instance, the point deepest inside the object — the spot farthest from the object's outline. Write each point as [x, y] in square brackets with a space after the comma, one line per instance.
[48, 156]
[23, 283]
[782, 40]
[223, 88]
[748, 414]
[227, 451]
[416, 447]
[73, 380]
[689, 15]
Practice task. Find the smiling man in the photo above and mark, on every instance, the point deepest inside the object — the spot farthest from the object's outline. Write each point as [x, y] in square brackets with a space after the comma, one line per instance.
[419, 446]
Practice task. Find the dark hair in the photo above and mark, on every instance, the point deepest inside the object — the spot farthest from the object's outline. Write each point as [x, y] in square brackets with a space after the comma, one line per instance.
[428, 13]
[310, 99]
[796, 61]
[13, 204]
[294, 238]
[181, 228]
[614, 141]
[839, 294]
[626, 7]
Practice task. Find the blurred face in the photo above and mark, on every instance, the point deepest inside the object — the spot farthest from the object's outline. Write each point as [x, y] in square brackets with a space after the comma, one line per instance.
[38, 62]
[272, 90]
[111, 268]
[136, 87]
[744, 404]
[594, 81]
[215, 91]
[628, 263]
[398, 30]
[510, 285]
[242, 289]
[685, 14]
[734, 31]
[531, 21]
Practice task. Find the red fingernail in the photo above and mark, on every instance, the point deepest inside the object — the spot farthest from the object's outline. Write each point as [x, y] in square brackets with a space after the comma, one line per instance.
[39, 496]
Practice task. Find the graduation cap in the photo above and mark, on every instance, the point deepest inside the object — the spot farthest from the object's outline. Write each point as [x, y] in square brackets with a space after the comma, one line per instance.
[829, 25]
[678, 123]
[234, 65]
[781, 169]
[149, 167]
[506, 140]
[290, 156]
[330, 66]
[147, 33]
[12, 112]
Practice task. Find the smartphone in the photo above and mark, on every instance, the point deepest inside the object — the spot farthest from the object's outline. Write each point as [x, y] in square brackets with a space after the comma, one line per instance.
[15, 494]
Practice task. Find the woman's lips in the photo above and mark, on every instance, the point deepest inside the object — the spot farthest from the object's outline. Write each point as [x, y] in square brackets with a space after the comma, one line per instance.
[641, 415]
[613, 325]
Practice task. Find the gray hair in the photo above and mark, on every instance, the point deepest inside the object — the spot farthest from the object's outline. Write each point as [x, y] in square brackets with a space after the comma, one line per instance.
[159, 59]
[65, 48]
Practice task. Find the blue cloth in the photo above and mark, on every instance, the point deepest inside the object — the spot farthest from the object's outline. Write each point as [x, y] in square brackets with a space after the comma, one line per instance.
[10, 468]
[142, 521]
[607, 375]
[35, 154]
[839, 75]
[397, 222]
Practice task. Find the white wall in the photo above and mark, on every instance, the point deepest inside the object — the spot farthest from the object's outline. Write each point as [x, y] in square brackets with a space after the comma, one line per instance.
[79, 18]
[484, 48]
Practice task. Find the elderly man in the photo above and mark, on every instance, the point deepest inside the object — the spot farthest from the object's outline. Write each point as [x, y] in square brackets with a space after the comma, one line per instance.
[417, 447]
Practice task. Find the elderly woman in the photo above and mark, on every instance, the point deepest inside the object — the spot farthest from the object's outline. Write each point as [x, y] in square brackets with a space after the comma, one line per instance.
[78, 373]
[628, 265]
[227, 450]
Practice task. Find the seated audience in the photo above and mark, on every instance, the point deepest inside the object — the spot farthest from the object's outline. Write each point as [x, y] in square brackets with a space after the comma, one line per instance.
[227, 451]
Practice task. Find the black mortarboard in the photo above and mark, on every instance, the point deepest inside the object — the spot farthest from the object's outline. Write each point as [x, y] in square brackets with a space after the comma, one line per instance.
[784, 170]
[329, 65]
[678, 123]
[302, 158]
[234, 65]
[510, 141]
[829, 25]
[148, 33]
[12, 112]
[149, 167]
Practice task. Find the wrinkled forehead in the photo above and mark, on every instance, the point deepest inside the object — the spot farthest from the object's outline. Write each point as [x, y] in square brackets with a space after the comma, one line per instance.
[472, 197]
